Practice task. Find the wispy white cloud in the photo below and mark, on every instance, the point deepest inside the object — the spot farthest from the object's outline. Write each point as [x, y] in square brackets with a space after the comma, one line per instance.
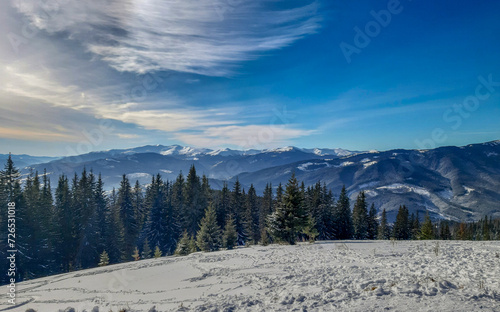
[245, 137]
[202, 37]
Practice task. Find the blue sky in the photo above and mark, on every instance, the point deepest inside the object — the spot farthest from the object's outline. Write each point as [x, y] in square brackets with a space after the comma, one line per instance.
[78, 76]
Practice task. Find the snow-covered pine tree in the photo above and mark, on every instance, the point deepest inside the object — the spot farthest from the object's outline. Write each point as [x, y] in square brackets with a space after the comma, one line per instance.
[230, 237]
[208, 237]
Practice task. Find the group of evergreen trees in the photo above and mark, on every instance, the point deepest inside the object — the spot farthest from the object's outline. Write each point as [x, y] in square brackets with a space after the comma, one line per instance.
[82, 226]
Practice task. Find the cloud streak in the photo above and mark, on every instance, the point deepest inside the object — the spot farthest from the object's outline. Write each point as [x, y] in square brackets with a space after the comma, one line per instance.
[201, 37]
[245, 137]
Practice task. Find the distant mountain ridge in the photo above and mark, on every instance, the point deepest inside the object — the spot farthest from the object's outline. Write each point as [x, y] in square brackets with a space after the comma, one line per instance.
[458, 183]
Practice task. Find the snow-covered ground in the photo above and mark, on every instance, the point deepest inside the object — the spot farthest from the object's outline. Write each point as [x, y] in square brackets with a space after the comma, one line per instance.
[325, 276]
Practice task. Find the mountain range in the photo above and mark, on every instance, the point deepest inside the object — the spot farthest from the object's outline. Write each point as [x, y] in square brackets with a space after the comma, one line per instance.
[456, 183]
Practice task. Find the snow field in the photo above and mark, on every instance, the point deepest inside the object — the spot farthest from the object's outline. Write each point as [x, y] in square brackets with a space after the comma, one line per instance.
[325, 276]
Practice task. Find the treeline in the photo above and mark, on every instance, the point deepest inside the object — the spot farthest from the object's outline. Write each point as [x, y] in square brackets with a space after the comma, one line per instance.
[81, 226]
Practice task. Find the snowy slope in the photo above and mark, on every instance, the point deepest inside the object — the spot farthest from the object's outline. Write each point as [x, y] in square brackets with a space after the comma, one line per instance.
[326, 276]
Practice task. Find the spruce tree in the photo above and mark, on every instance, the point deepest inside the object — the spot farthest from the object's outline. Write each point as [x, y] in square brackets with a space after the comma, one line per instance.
[138, 204]
[310, 229]
[266, 207]
[360, 217]
[157, 253]
[155, 227]
[444, 231]
[427, 230]
[135, 255]
[485, 229]
[183, 247]
[103, 259]
[401, 228]
[194, 202]
[208, 237]
[230, 237]
[343, 218]
[237, 207]
[128, 217]
[102, 218]
[66, 224]
[251, 216]
[223, 204]
[146, 250]
[372, 223]
[383, 228]
[290, 217]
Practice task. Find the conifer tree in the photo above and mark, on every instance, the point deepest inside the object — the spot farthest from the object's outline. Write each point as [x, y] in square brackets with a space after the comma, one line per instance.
[192, 244]
[102, 217]
[103, 259]
[444, 231]
[310, 229]
[230, 237]
[155, 227]
[128, 217]
[360, 217]
[427, 230]
[383, 228]
[237, 207]
[462, 231]
[208, 237]
[486, 229]
[194, 202]
[183, 247]
[157, 253]
[138, 205]
[146, 250]
[372, 223]
[223, 204]
[401, 228]
[290, 217]
[135, 255]
[343, 218]
[66, 236]
[266, 207]
[279, 195]
[251, 216]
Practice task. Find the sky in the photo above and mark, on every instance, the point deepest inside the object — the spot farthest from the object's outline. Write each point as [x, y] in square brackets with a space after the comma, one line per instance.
[81, 76]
